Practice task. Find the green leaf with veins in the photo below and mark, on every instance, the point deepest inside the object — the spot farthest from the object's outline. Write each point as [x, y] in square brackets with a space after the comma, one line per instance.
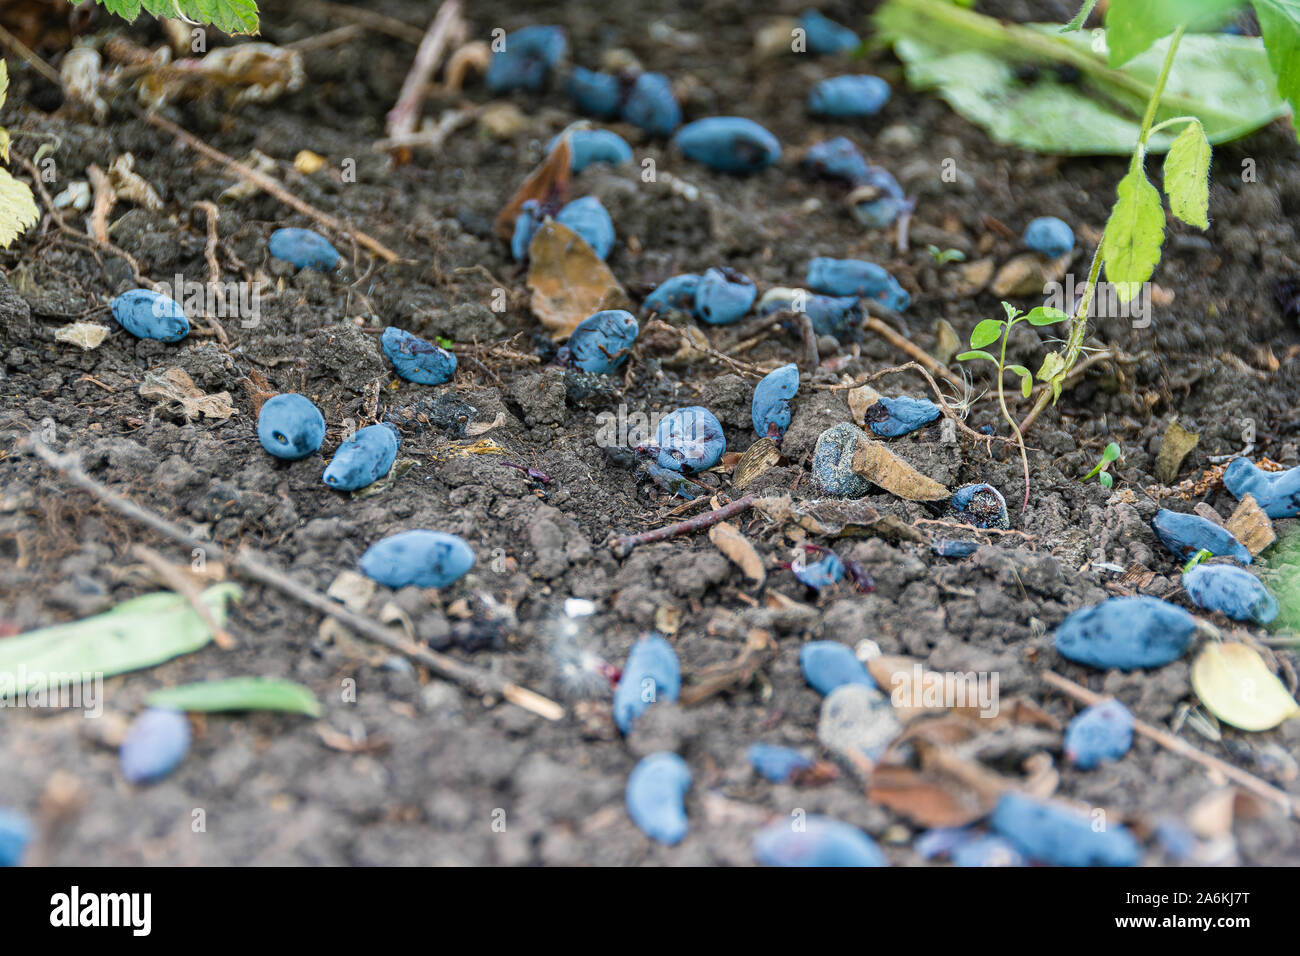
[1133, 235]
[1187, 176]
[1279, 24]
[229, 16]
[985, 333]
[1133, 25]
[1046, 315]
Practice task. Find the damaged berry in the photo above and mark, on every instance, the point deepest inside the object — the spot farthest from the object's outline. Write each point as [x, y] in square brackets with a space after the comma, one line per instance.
[770, 408]
[289, 426]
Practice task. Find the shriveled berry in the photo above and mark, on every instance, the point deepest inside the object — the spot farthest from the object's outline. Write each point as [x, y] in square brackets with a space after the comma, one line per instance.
[1050, 833]
[596, 94]
[673, 482]
[526, 59]
[731, 144]
[305, 249]
[676, 294]
[652, 673]
[724, 296]
[588, 146]
[980, 505]
[825, 36]
[655, 796]
[600, 342]
[877, 199]
[154, 745]
[290, 426]
[827, 665]
[892, 417]
[954, 549]
[829, 315]
[15, 834]
[777, 764]
[689, 440]
[1127, 633]
[819, 574]
[836, 158]
[1232, 591]
[590, 220]
[526, 223]
[1185, 534]
[150, 315]
[417, 360]
[986, 850]
[859, 278]
[820, 841]
[419, 558]
[1102, 732]
[848, 97]
[832, 466]
[1277, 492]
[363, 459]
[651, 106]
[770, 409]
[1050, 236]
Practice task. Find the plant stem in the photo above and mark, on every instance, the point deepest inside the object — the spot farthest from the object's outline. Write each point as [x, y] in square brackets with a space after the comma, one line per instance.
[1002, 400]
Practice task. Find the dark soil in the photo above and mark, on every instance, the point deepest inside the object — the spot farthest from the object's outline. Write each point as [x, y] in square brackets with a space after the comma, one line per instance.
[437, 770]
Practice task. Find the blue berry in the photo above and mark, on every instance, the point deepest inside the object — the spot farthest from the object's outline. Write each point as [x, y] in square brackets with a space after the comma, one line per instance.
[305, 249]
[848, 97]
[827, 665]
[830, 315]
[980, 505]
[1185, 534]
[954, 549]
[651, 106]
[652, 673]
[154, 745]
[673, 482]
[422, 559]
[836, 158]
[770, 409]
[689, 440]
[859, 278]
[892, 417]
[816, 841]
[15, 834]
[1277, 492]
[825, 36]
[596, 94]
[1100, 733]
[590, 220]
[1059, 836]
[1232, 591]
[986, 850]
[825, 573]
[731, 144]
[527, 59]
[290, 426]
[1127, 633]
[1050, 236]
[589, 146]
[656, 791]
[777, 764]
[676, 294]
[417, 360]
[878, 199]
[724, 296]
[832, 466]
[363, 459]
[149, 315]
[600, 341]
[526, 223]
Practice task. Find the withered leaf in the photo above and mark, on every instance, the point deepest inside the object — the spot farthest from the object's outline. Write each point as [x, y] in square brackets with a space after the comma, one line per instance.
[847, 518]
[880, 466]
[548, 183]
[84, 335]
[1251, 526]
[1174, 447]
[176, 391]
[860, 399]
[756, 460]
[736, 547]
[928, 799]
[568, 280]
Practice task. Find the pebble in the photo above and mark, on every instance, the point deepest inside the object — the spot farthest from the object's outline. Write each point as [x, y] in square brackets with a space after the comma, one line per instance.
[419, 558]
[363, 459]
[652, 673]
[1185, 534]
[150, 315]
[832, 466]
[1127, 633]
[1232, 591]
[155, 744]
[1048, 833]
[1100, 733]
[827, 665]
[856, 721]
[815, 841]
[655, 796]
[289, 426]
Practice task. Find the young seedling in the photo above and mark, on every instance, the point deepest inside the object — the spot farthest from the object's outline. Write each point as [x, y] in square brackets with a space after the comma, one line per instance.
[1110, 454]
[942, 257]
[991, 330]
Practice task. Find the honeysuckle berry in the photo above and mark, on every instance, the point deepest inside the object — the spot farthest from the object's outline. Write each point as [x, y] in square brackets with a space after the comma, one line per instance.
[305, 249]
[777, 764]
[824, 36]
[417, 360]
[363, 459]
[856, 277]
[1049, 833]
[980, 505]
[652, 674]
[595, 94]
[651, 106]
[830, 315]
[770, 408]
[836, 158]
[688, 440]
[289, 426]
[877, 198]
[419, 558]
[150, 315]
[676, 294]
[527, 59]
[154, 745]
[1127, 633]
[588, 146]
[848, 97]
[891, 417]
[1049, 236]
[821, 842]
[1100, 733]
[1231, 591]
[601, 341]
[724, 296]
[526, 223]
[655, 797]
[731, 144]
[589, 219]
[1185, 534]
[1277, 492]
[827, 665]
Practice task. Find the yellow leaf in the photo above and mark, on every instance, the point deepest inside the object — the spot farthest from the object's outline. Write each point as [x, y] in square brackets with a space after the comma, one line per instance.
[18, 211]
[880, 466]
[568, 280]
[1236, 686]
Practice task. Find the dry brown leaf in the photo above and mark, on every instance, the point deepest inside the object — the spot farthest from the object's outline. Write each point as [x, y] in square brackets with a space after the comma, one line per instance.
[757, 459]
[847, 518]
[946, 342]
[548, 184]
[568, 280]
[926, 798]
[880, 466]
[668, 618]
[1251, 526]
[860, 399]
[1174, 447]
[174, 389]
[736, 547]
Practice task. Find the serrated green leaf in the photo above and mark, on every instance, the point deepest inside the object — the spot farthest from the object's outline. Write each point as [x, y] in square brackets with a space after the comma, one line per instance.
[1133, 235]
[229, 16]
[239, 693]
[985, 332]
[1187, 176]
[1047, 315]
[974, 354]
[18, 211]
[1279, 25]
[1132, 26]
[1081, 17]
[128, 10]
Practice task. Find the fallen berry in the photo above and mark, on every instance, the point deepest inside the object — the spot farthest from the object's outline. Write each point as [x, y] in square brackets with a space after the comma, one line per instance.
[526, 223]
[305, 249]
[770, 408]
[1185, 534]
[590, 220]
[954, 549]
[601, 341]
[829, 315]
[526, 59]
[290, 426]
[731, 144]
[986, 850]
[651, 674]
[1277, 492]
[417, 360]
[688, 440]
[1102, 732]
[877, 199]
[1056, 835]
[821, 841]
[419, 558]
[154, 745]
[15, 834]
[1127, 633]
[673, 482]
[589, 146]
[848, 97]
[980, 505]
[820, 574]
[149, 315]
[724, 296]
[824, 36]
[655, 795]
[676, 294]
[832, 466]
[942, 841]
[777, 764]
[363, 459]
[651, 106]
[836, 158]
[827, 665]
[892, 417]
[858, 278]
[1232, 591]
[596, 94]
[1049, 236]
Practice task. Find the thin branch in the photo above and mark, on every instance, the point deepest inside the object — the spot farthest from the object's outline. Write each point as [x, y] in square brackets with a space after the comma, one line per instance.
[447, 28]
[622, 546]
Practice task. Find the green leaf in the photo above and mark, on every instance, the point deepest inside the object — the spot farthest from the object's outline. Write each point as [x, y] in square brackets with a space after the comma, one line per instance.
[128, 10]
[985, 332]
[976, 354]
[1047, 315]
[1187, 176]
[971, 61]
[229, 16]
[1279, 24]
[18, 211]
[1133, 25]
[1080, 18]
[1133, 235]
[239, 693]
[1106, 480]
[138, 633]
[1018, 369]
[1026, 384]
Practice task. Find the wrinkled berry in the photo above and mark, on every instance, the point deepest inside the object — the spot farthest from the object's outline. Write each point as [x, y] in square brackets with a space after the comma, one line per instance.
[600, 341]
[724, 296]
[526, 223]
[1057, 835]
[689, 440]
[827, 665]
[892, 417]
[731, 144]
[149, 315]
[673, 482]
[652, 673]
[857, 277]
[980, 505]
[1102, 732]
[1232, 591]
[1127, 633]
[596, 94]
[590, 220]
[305, 249]
[656, 791]
[290, 426]
[15, 834]
[363, 459]
[419, 558]
[1185, 534]
[1050, 236]
[878, 199]
[589, 146]
[954, 549]
[417, 360]
[526, 59]
[673, 295]
[821, 841]
[986, 850]
[832, 466]
[777, 764]
[829, 315]
[836, 158]
[820, 574]
[154, 745]
[651, 106]
[770, 409]
[1277, 492]
[825, 36]
[848, 97]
